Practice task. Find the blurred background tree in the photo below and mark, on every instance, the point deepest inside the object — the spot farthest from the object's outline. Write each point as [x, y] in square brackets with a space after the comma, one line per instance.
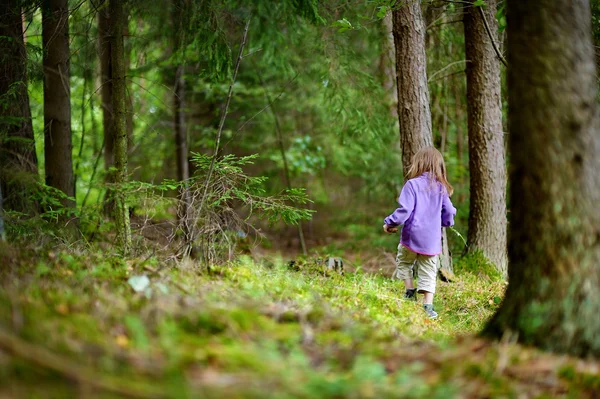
[315, 97]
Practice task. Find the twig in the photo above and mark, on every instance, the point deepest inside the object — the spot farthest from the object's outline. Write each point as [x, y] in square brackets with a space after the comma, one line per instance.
[433, 25]
[447, 76]
[446, 67]
[268, 105]
[489, 32]
[223, 116]
[252, 52]
[44, 358]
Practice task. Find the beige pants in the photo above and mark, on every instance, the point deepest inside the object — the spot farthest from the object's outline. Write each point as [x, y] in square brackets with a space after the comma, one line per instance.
[426, 267]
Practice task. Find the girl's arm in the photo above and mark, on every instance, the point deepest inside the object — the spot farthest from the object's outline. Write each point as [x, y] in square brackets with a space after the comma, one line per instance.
[407, 204]
[448, 212]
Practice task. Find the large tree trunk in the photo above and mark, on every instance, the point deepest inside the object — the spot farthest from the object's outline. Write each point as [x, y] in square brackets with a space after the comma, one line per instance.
[487, 214]
[413, 94]
[552, 300]
[411, 74]
[106, 91]
[57, 98]
[18, 160]
[121, 211]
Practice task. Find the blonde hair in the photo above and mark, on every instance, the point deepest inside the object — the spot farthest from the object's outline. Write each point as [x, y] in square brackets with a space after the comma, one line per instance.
[429, 160]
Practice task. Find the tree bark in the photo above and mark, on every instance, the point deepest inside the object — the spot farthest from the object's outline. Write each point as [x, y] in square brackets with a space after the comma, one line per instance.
[552, 300]
[18, 160]
[57, 98]
[121, 211]
[413, 94]
[411, 80]
[487, 213]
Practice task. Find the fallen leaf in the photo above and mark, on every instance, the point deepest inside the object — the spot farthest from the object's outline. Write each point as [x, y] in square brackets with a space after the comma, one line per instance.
[62, 308]
[122, 340]
[139, 283]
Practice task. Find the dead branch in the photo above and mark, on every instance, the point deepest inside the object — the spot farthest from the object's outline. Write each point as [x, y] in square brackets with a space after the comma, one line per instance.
[489, 32]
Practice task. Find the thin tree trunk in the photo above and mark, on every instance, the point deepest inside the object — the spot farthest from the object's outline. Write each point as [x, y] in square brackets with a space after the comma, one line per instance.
[413, 94]
[57, 98]
[18, 160]
[487, 214]
[387, 62]
[179, 14]
[106, 91]
[183, 170]
[2, 231]
[460, 145]
[121, 212]
[552, 300]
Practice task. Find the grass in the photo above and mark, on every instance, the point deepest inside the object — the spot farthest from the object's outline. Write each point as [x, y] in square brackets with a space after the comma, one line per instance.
[251, 329]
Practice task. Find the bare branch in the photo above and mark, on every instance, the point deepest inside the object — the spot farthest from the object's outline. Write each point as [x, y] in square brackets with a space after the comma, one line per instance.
[489, 32]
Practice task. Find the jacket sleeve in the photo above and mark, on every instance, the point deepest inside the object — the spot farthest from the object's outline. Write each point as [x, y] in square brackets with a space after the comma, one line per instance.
[407, 204]
[448, 212]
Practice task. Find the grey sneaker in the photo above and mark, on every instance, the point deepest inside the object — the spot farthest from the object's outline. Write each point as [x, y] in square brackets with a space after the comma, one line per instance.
[429, 310]
[411, 294]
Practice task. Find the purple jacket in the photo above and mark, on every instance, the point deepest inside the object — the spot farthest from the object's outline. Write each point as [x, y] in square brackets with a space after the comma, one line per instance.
[424, 209]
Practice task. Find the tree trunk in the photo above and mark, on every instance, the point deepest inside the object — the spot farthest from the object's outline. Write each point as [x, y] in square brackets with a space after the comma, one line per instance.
[105, 56]
[119, 97]
[181, 144]
[413, 94]
[487, 213]
[129, 102]
[552, 300]
[18, 160]
[183, 170]
[2, 232]
[57, 98]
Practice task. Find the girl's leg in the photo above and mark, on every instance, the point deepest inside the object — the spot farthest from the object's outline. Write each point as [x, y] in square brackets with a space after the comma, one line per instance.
[427, 268]
[428, 298]
[404, 266]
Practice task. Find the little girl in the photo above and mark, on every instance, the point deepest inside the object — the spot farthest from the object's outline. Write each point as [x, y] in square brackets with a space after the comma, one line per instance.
[425, 208]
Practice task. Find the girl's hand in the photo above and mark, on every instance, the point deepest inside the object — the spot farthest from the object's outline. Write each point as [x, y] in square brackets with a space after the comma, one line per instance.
[389, 229]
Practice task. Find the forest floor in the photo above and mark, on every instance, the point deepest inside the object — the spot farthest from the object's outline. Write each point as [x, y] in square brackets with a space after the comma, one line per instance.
[81, 323]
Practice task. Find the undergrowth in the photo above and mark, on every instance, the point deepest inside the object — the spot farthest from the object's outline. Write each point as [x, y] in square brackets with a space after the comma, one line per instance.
[245, 329]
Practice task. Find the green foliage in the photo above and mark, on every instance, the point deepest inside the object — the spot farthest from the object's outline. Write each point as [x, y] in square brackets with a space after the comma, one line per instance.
[44, 225]
[230, 183]
[343, 25]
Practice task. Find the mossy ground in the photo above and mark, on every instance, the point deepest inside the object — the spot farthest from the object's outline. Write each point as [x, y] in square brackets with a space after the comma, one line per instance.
[72, 325]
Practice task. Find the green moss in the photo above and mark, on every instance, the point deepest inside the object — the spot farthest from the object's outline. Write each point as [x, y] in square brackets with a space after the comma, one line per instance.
[299, 334]
[477, 264]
